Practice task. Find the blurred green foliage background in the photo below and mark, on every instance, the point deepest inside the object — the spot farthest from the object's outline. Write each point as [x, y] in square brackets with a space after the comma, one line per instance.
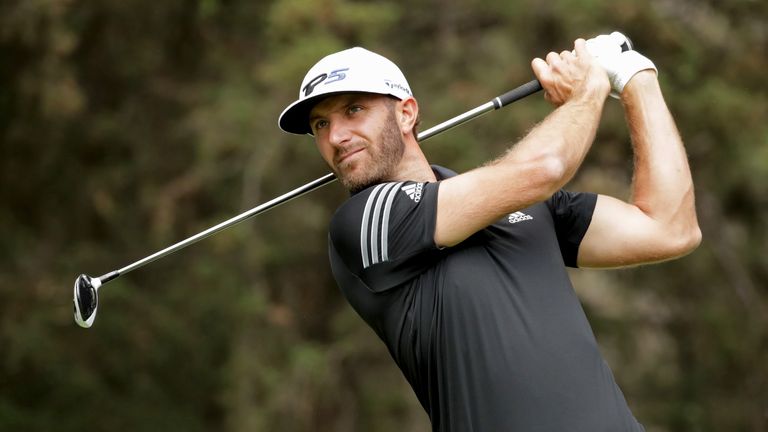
[127, 125]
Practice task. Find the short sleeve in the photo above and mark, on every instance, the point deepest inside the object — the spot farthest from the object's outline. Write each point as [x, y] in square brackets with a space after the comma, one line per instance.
[385, 234]
[572, 214]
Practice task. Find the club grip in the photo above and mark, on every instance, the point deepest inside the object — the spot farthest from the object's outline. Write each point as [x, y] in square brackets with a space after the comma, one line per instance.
[520, 92]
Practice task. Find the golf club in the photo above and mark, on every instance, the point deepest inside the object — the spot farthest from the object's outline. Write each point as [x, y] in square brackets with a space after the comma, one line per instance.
[86, 295]
[86, 298]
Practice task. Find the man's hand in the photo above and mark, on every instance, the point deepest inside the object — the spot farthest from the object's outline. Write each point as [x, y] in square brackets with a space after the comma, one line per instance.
[571, 75]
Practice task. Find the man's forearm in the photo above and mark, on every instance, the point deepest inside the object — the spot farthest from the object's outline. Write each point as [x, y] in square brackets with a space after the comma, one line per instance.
[566, 134]
[662, 185]
[530, 172]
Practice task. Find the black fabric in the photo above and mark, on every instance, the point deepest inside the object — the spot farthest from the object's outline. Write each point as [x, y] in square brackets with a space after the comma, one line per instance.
[489, 333]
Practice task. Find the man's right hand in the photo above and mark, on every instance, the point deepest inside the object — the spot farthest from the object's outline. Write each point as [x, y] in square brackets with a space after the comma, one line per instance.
[571, 74]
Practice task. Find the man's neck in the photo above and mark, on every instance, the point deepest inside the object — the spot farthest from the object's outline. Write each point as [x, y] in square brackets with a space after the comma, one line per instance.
[414, 166]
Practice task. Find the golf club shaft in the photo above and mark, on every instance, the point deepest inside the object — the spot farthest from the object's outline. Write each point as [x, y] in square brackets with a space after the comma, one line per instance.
[505, 99]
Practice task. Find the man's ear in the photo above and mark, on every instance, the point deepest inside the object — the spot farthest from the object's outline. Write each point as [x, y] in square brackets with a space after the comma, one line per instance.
[408, 114]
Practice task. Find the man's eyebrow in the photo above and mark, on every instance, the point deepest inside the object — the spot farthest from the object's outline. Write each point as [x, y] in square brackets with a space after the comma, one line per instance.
[344, 104]
[313, 115]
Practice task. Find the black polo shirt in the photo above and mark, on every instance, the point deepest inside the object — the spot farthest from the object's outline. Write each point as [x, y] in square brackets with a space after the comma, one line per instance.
[489, 333]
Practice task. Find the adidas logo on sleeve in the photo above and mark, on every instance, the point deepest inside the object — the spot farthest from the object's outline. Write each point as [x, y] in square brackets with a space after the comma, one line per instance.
[413, 191]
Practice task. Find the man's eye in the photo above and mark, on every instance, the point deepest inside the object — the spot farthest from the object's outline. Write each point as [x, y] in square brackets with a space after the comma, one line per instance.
[354, 108]
[320, 124]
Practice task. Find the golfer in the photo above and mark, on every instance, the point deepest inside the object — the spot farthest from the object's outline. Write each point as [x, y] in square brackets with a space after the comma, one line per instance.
[463, 276]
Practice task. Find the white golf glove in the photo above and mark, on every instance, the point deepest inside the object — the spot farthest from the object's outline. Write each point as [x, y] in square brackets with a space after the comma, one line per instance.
[620, 65]
[604, 46]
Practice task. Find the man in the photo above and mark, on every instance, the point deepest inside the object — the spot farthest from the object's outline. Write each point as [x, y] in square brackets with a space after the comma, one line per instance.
[463, 276]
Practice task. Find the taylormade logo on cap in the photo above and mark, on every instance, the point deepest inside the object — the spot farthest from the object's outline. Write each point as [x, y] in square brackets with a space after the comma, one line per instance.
[352, 70]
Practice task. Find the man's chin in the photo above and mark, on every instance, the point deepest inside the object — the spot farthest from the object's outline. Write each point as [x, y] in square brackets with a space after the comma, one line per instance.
[360, 185]
[355, 184]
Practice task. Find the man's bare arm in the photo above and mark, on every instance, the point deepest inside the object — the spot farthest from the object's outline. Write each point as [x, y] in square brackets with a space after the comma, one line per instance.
[542, 162]
[660, 221]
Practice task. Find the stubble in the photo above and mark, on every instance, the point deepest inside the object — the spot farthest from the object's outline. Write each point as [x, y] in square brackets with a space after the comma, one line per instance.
[384, 158]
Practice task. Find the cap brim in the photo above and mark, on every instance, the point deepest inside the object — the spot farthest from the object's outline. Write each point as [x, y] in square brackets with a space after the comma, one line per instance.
[295, 118]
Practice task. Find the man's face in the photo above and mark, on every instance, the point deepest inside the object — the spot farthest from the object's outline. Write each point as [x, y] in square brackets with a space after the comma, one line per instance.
[358, 136]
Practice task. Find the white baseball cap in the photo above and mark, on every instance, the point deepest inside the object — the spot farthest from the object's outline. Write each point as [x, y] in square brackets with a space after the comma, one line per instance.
[352, 70]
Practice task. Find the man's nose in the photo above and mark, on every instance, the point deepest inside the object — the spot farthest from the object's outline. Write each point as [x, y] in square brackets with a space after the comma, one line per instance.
[339, 132]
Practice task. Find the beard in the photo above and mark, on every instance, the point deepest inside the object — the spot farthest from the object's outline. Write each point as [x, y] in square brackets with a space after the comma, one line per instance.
[382, 163]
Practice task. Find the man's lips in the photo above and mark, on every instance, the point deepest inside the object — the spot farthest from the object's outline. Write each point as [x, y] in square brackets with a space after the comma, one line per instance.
[345, 156]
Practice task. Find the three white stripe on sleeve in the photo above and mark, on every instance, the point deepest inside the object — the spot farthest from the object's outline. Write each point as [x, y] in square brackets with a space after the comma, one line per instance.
[374, 230]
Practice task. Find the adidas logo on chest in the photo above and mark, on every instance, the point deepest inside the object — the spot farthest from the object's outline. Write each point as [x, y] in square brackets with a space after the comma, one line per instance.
[518, 216]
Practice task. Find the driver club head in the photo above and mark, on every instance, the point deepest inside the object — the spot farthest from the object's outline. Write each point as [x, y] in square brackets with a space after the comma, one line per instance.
[86, 299]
